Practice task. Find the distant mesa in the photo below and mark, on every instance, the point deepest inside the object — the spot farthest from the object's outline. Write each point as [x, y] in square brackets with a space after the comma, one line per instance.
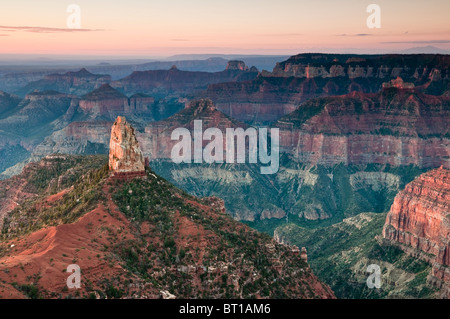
[140, 95]
[236, 65]
[126, 160]
[81, 73]
[173, 79]
[104, 102]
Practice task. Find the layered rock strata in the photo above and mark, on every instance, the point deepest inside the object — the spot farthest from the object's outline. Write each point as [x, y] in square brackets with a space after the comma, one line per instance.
[419, 220]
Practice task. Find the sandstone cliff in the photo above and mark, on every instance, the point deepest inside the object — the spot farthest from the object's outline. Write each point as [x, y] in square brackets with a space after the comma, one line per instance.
[104, 101]
[419, 220]
[341, 253]
[420, 68]
[396, 127]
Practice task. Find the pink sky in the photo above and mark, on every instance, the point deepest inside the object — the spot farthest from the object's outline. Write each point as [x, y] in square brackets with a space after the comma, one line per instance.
[161, 28]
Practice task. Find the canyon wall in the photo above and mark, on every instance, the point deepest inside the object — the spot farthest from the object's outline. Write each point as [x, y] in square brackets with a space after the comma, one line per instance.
[396, 126]
[419, 220]
[273, 94]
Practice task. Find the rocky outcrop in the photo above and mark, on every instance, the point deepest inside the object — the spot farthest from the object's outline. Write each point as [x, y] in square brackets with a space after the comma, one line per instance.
[236, 65]
[275, 212]
[93, 135]
[304, 255]
[419, 220]
[125, 155]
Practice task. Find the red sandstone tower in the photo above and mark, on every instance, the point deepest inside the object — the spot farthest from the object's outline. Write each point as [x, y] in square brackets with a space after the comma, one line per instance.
[125, 156]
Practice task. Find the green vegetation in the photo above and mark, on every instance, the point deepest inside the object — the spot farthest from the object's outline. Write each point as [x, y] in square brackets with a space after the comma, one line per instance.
[70, 167]
[339, 255]
[326, 195]
[160, 205]
[35, 213]
[158, 254]
[31, 291]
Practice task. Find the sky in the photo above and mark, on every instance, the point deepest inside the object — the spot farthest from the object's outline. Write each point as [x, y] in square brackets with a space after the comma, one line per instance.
[143, 28]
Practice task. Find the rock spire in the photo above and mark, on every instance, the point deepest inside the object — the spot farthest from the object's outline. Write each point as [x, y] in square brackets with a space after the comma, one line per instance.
[125, 155]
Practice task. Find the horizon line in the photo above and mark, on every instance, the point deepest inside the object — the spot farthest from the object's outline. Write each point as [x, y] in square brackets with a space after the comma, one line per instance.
[62, 57]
